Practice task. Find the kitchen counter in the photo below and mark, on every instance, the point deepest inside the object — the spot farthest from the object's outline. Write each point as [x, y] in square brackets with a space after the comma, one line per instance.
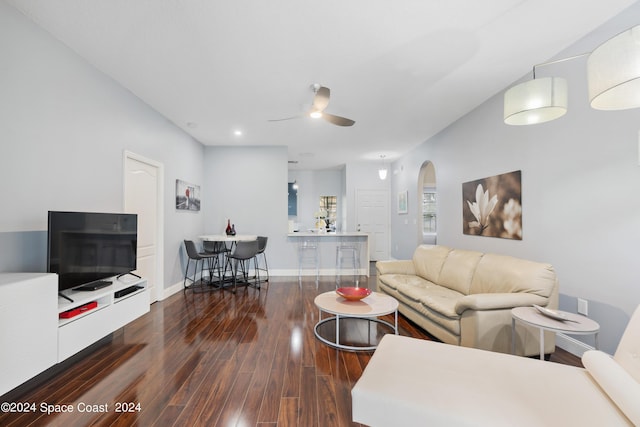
[328, 234]
[327, 243]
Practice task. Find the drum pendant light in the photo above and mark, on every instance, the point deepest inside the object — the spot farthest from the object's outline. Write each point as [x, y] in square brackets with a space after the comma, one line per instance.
[535, 101]
[613, 72]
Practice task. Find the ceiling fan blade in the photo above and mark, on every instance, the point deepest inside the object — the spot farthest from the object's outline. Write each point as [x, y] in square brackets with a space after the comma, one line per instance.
[286, 118]
[337, 120]
[321, 99]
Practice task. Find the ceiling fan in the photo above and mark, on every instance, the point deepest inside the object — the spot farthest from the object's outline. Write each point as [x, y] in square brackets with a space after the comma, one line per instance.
[320, 102]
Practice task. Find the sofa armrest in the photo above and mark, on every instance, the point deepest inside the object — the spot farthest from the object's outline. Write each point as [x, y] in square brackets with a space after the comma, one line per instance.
[619, 385]
[497, 301]
[395, 267]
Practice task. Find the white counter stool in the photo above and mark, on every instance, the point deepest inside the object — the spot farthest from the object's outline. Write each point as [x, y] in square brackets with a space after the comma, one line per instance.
[308, 252]
[348, 252]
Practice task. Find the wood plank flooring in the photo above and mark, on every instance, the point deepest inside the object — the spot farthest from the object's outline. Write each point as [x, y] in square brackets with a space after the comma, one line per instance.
[214, 359]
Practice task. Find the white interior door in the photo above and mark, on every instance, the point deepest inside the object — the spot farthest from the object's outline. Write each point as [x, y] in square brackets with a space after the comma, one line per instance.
[372, 217]
[142, 194]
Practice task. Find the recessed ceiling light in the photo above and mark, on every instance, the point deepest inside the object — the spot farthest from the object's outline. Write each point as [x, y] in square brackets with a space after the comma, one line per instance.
[237, 132]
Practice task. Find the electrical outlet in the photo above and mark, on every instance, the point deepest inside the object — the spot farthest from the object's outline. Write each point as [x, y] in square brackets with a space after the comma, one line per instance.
[583, 307]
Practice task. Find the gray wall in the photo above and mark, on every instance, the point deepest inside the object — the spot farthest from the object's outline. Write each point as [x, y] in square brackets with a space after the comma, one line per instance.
[580, 187]
[249, 186]
[63, 129]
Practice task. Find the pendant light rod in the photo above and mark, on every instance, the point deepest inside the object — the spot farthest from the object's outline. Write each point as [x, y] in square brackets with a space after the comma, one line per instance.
[557, 61]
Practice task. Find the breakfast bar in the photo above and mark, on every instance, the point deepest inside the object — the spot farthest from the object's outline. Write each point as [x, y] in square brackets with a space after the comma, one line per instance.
[341, 253]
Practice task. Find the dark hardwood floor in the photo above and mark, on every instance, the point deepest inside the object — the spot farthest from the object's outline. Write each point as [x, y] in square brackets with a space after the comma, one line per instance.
[214, 359]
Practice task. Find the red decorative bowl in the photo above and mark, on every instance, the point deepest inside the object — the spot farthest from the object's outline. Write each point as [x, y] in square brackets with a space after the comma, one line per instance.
[353, 294]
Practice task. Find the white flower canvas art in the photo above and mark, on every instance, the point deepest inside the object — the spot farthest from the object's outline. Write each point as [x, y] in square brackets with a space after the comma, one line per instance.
[492, 206]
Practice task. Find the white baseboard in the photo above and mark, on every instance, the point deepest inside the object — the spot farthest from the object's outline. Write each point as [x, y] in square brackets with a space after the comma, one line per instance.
[572, 345]
[173, 289]
[312, 272]
[177, 287]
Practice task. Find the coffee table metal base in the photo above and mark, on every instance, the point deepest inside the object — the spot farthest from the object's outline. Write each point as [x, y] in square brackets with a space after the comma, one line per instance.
[338, 318]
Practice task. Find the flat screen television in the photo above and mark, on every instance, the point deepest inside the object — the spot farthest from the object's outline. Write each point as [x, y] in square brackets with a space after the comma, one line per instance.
[85, 248]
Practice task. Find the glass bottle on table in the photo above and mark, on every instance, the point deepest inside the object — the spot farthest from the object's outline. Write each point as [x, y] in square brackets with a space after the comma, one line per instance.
[228, 229]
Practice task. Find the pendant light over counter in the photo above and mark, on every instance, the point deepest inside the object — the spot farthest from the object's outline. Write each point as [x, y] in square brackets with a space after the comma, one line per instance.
[382, 172]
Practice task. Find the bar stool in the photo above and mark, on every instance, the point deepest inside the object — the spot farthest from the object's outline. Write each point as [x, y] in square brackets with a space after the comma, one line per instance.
[345, 253]
[241, 256]
[217, 249]
[262, 245]
[308, 251]
[202, 257]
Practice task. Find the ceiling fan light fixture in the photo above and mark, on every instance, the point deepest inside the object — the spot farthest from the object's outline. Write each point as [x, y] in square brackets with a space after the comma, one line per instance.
[613, 72]
[315, 114]
[536, 101]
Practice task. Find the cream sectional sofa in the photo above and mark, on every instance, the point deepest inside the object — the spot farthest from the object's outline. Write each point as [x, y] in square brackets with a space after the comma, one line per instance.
[465, 297]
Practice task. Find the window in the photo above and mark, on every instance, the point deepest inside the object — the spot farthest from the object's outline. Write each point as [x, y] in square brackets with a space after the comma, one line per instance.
[429, 210]
[329, 204]
[292, 193]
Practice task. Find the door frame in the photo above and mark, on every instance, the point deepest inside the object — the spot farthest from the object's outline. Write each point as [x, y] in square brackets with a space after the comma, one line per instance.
[388, 216]
[159, 286]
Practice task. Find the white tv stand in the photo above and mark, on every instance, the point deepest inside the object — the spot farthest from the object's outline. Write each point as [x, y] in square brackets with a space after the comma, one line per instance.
[33, 336]
[111, 314]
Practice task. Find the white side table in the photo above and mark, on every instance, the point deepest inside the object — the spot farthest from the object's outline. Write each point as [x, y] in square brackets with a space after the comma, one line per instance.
[575, 324]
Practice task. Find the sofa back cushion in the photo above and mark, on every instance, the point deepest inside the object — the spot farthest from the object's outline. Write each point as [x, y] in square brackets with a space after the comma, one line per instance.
[428, 261]
[458, 270]
[501, 273]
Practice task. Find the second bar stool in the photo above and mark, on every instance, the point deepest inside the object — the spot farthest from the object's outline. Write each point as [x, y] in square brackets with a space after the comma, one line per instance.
[308, 251]
[347, 252]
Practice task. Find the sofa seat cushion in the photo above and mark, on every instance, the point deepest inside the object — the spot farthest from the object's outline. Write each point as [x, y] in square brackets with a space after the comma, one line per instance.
[434, 297]
[435, 302]
[396, 281]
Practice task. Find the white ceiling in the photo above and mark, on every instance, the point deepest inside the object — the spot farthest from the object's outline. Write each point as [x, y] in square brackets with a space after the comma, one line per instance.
[403, 70]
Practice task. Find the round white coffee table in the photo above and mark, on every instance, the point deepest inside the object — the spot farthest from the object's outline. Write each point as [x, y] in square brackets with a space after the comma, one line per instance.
[368, 308]
[575, 324]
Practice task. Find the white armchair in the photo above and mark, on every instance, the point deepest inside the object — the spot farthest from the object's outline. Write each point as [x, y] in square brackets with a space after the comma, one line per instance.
[412, 382]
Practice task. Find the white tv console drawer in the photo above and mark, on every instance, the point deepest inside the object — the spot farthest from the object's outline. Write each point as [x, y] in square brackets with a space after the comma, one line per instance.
[81, 333]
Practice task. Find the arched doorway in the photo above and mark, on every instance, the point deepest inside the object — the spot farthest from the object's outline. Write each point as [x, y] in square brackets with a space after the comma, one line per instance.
[427, 201]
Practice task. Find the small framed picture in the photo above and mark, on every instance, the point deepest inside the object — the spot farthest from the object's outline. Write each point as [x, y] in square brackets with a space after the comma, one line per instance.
[403, 201]
[187, 196]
